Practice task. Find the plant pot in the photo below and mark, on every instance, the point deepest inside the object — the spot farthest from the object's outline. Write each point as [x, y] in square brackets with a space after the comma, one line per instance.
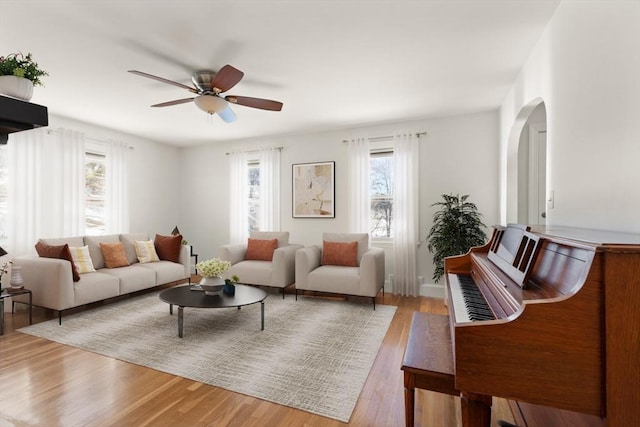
[16, 87]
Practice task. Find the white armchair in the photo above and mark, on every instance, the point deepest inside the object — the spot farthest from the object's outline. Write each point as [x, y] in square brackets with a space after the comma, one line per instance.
[278, 271]
[344, 268]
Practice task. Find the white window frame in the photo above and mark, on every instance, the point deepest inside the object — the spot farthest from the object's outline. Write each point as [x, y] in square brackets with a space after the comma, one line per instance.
[378, 148]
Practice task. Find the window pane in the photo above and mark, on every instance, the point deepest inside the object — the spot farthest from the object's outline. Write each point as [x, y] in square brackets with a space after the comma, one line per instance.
[94, 194]
[254, 197]
[381, 194]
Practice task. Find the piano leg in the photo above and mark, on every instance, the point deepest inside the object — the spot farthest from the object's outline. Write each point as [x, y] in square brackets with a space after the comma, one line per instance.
[476, 410]
[409, 398]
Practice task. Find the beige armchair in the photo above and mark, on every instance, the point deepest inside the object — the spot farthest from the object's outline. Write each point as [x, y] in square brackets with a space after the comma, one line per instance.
[267, 265]
[341, 267]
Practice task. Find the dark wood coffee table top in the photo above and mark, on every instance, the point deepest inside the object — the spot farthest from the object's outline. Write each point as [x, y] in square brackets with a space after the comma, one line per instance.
[183, 296]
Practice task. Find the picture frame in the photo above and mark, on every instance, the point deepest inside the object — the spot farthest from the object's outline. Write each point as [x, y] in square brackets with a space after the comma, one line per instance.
[313, 188]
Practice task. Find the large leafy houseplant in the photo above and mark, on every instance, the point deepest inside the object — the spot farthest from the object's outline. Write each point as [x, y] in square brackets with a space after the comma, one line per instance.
[457, 227]
[19, 65]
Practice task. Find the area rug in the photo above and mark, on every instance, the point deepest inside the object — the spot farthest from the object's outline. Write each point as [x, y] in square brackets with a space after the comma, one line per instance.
[314, 354]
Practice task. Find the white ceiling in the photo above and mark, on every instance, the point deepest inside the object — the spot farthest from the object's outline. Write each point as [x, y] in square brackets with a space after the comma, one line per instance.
[333, 63]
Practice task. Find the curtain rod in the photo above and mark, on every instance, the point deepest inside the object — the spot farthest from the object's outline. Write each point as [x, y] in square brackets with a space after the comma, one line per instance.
[94, 140]
[255, 151]
[383, 138]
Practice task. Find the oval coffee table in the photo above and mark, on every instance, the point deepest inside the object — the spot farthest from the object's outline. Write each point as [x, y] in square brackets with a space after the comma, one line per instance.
[183, 296]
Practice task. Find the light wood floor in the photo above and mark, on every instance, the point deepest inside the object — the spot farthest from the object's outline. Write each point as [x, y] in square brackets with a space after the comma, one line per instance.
[43, 383]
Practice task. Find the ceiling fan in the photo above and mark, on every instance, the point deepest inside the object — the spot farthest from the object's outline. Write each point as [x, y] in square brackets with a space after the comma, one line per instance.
[209, 86]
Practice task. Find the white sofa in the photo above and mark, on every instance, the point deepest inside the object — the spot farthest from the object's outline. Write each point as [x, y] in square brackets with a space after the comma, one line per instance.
[279, 272]
[51, 282]
[365, 279]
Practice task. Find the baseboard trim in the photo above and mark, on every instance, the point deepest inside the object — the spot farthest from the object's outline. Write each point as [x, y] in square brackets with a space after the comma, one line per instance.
[432, 290]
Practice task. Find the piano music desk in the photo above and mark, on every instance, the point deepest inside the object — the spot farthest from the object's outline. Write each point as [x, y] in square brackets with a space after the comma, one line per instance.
[428, 365]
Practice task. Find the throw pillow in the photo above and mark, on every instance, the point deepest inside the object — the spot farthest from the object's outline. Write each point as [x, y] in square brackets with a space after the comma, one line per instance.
[337, 253]
[261, 250]
[82, 259]
[114, 255]
[146, 251]
[168, 247]
[59, 252]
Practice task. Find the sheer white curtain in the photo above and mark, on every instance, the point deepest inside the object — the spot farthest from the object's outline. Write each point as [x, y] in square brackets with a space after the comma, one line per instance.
[45, 187]
[238, 197]
[359, 203]
[116, 187]
[269, 159]
[405, 204]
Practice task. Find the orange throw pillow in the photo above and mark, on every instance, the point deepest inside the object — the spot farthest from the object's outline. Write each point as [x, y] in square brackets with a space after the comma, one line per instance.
[261, 250]
[59, 252]
[337, 253]
[168, 247]
[114, 255]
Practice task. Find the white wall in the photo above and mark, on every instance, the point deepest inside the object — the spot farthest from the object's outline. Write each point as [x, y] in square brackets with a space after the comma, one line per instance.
[459, 155]
[155, 176]
[586, 69]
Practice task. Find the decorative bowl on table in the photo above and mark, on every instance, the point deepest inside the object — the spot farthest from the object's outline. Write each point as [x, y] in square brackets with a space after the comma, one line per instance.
[212, 285]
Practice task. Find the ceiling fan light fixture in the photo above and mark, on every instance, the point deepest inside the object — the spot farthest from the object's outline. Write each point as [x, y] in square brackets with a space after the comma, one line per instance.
[210, 103]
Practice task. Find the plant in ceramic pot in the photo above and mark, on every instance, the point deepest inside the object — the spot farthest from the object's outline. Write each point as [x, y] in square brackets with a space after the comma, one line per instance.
[18, 75]
[211, 271]
[456, 229]
[230, 285]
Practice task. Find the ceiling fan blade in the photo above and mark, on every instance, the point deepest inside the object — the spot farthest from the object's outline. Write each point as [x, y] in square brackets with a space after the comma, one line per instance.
[227, 115]
[264, 104]
[163, 80]
[226, 78]
[170, 103]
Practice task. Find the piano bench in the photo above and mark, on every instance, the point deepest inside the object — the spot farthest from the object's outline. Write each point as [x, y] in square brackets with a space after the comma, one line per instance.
[428, 365]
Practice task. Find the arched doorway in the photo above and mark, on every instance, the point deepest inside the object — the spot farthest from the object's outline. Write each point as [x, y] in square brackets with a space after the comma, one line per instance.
[527, 166]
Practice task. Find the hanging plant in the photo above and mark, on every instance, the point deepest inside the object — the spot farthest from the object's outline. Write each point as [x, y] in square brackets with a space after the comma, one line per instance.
[16, 64]
[456, 229]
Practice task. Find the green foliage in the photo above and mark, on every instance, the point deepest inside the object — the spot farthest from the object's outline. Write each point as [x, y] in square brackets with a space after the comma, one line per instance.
[456, 229]
[16, 64]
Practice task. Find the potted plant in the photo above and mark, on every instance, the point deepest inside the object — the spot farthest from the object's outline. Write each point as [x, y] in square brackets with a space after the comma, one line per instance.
[18, 75]
[456, 229]
[211, 271]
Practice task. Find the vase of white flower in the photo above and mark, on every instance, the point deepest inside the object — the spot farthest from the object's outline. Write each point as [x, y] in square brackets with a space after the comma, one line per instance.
[211, 271]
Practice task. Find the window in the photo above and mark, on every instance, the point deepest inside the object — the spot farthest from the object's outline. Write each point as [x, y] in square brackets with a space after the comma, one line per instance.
[3, 195]
[254, 195]
[381, 193]
[94, 165]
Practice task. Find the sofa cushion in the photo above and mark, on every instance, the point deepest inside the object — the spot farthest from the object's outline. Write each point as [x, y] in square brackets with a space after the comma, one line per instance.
[282, 236]
[168, 247]
[60, 252]
[133, 278]
[113, 254]
[129, 242]
[146, 251]
[166, 271]
[361, 238]
[261, 250]
[82, 259]
[71, 241]
[96, 286]
[338, 253]
[93, 242]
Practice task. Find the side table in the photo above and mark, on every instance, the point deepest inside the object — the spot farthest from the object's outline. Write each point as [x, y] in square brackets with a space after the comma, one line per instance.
[7, 293]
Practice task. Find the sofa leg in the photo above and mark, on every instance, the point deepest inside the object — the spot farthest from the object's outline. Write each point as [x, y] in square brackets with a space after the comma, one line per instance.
[296, 294]
[59, 317]
[282, 293]
[374, 302]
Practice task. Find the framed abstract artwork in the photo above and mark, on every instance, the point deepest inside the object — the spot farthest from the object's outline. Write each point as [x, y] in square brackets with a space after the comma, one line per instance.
[314, 190]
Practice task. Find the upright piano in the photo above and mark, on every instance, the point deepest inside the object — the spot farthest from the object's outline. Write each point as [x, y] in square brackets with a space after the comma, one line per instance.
[548, 316]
